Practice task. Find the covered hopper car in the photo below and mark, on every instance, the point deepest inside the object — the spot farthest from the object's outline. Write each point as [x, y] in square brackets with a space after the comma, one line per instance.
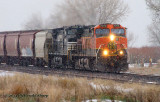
[24, 47]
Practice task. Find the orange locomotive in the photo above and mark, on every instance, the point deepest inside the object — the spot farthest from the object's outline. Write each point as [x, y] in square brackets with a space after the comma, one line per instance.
[108, 43]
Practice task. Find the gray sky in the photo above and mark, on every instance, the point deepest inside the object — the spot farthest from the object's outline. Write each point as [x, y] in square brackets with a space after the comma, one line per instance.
[14, 13]
[138, 20]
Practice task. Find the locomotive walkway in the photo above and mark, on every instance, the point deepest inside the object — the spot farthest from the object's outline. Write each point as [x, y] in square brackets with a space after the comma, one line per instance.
[122, 77]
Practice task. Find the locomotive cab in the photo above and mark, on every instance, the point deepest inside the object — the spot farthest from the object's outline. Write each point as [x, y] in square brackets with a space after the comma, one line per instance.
[111, 39]
[111, 45]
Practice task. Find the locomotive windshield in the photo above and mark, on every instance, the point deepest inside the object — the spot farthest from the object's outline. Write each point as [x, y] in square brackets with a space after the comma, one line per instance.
[118, 31]
[102, 32]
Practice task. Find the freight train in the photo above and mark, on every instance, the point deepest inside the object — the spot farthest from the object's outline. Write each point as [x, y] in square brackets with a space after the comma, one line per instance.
[94, 47]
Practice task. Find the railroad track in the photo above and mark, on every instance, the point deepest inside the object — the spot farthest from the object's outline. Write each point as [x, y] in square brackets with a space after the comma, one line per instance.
[122, 77]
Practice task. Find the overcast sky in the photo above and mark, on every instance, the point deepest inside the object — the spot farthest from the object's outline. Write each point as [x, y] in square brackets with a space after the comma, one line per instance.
[14, 13]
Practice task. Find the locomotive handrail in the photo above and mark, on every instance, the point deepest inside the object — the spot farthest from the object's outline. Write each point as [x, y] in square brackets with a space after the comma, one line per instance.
[98, 52]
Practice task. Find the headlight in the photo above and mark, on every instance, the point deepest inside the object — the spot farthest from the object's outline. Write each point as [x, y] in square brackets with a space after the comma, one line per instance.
[121, 52]
[112, 37]
[105, 52]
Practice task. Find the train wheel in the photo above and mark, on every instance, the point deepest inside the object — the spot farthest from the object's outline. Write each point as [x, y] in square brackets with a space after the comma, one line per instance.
[117, 71]
[117, 68]
[42, 63]
[92, 65]
[65, 63]
[25, 63]
[20, 63]
[11, 62]
[125, 67]
[77, 64]
[0, 61]
[7, 62]
[49, 63]
[37, 62]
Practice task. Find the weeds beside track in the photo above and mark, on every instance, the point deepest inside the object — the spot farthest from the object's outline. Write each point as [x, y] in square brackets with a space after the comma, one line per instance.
[122, 77]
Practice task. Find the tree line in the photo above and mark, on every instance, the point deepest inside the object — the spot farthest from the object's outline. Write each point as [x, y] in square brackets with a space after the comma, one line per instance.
[83, 12]
[91, 12]
[154, 27]
[137, 55]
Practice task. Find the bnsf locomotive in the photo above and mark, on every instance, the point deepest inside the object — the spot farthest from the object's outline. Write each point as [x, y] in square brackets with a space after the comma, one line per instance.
[96, 48]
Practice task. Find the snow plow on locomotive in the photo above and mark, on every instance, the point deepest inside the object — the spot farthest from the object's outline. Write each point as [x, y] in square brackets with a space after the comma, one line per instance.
[96, 48]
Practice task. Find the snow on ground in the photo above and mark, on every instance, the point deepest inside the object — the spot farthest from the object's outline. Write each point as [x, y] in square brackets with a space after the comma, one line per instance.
[118, 88]
[6, 73]
[138, 65]
[151, 82]
[106, 100]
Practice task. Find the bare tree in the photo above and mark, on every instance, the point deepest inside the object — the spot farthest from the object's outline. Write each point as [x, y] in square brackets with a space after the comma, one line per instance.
[154, 33]
[154, 6]
[34, 22]
[72, 12]
[154, 28]
[130, 39]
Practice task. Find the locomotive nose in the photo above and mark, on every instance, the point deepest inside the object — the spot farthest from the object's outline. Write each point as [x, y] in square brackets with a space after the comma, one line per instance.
[112, 45]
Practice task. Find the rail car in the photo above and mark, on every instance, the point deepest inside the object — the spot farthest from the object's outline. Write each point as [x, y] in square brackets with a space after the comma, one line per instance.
[96, 48]
[24, 47]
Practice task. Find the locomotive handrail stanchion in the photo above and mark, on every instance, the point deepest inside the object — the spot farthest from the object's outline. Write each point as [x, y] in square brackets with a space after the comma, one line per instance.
[90, 51]
[98, 51]
[70, 52]
[76, 48]
[116, 47]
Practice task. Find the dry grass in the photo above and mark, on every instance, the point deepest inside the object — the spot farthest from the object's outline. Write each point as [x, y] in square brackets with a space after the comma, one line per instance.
[59, 89]
[145, 71]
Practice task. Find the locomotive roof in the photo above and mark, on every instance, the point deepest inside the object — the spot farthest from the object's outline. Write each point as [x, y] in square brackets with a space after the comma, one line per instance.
[109, 25]
[52, 30]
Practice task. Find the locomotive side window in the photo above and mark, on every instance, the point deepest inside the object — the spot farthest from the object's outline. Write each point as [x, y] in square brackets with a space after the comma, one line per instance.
[72, 32]
[87, 33]
[119, 32]
[102, 32]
